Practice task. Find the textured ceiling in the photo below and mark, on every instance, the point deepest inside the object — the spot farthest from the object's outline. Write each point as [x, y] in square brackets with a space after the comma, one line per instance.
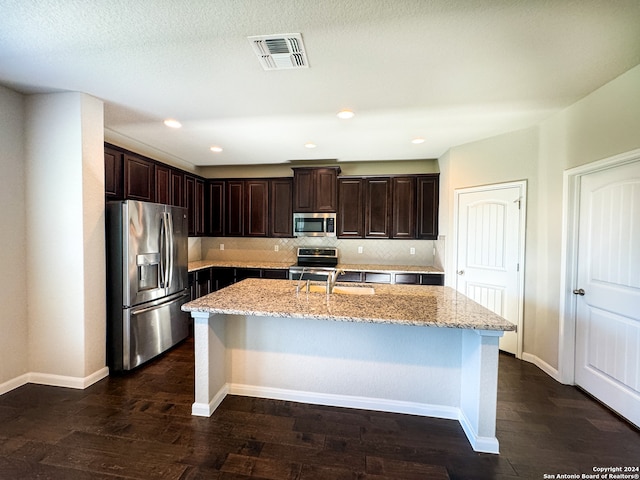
[450, 71]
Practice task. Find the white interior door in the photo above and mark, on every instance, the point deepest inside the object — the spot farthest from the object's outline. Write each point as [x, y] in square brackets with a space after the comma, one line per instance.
[607, 362]
[490, 249]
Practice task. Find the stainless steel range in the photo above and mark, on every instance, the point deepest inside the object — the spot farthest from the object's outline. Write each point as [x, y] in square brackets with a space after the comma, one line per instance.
[314, 263]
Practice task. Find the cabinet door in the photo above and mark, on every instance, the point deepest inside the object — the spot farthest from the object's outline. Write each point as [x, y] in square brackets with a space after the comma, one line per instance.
[214, 201]
[427, 202]
[281, 221]
[234, 212]
[163, 184]
[350, 208]
[403, 216]
[326, 197]
[177, 188]
[256, 214]
[303, 190]
[199, 207]
[377, 207]
[139, 178]
[190, 202]
[113, 173]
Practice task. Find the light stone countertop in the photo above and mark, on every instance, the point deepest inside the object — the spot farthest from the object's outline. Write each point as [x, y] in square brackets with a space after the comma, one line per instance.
[375, 268]
[201, 264]
[417, 305]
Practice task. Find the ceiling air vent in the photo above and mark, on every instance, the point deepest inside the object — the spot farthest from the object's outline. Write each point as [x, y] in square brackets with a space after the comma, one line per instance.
[278, 52]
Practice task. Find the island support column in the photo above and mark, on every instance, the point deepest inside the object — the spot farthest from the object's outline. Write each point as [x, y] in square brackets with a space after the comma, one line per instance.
[479, 388]
[210, 359]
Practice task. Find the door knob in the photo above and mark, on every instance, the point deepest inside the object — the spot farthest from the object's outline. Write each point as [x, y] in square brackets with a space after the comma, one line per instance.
[579, 291]
[460, 272]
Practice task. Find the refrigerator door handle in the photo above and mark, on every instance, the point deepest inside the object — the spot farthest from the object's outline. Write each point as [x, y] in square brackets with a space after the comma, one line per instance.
[170, 243]
[163, 249]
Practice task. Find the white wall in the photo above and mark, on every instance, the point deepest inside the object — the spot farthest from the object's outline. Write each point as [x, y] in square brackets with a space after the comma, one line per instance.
[604, 123]
[65, 260]
[13, 277]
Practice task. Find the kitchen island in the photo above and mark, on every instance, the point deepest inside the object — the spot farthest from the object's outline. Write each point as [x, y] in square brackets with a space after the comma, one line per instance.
[423, 350]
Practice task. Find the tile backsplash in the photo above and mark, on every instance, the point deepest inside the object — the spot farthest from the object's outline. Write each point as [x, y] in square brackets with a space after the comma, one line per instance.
[382, 252]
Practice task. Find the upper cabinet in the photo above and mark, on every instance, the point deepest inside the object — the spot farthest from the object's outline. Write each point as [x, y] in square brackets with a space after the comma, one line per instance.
[350, 207]
[281, 207]
[402, 207]
[315, 189]
[214, 208]
[139, 178]
[247, 208]
[377, 207]
[194, 201]
[427, 192]
[113, 171]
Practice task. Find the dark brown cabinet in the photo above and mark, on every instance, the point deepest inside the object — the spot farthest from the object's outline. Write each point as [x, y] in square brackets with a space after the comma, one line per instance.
[163, 184]
[247, 208]
[139, 178]
[281, 208]
[403, 207]
[350, 208]
[176, 181]
[427, 192]
[194, 201]
[397, 206]
[256, 213]
[377, 219]
[315, 189]
[113, 170]
[215, 208]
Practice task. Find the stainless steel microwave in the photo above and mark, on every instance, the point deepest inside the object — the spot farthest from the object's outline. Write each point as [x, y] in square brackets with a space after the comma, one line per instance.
[314, 224]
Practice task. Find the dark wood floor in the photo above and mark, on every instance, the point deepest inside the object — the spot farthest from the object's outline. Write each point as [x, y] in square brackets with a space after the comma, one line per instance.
[139, 426]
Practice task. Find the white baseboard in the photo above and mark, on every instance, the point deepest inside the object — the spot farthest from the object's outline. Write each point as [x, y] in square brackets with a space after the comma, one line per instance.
[348, 401]
[542, 365]
[207, 409]
[479, 444]
[79, 383]
[14, 383]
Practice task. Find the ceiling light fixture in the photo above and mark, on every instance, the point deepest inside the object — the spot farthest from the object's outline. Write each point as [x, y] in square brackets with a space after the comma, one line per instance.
[172, 123]
[417, 141]
[310, 145]
[346, 114]
[216, 149]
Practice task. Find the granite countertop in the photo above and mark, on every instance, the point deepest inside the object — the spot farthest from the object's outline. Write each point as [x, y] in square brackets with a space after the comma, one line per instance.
[388, 268]
[200, 264]
[417, 305]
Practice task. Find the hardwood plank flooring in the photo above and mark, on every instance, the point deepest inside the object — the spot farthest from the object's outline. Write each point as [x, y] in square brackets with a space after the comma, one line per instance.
[139, 426]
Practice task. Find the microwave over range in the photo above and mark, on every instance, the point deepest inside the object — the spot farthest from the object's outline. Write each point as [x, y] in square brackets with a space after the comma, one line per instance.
[314, 224]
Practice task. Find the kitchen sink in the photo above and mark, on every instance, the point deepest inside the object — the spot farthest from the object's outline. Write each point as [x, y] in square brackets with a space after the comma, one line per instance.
[338, 289]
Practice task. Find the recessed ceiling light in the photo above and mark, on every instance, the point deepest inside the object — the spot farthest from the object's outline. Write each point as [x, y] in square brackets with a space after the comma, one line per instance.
[310, 145]
[216, 149]
[417, 141]
[172, 123]
[345, 114]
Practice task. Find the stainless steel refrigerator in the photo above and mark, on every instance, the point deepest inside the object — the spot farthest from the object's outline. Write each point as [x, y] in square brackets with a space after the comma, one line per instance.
[147, 281]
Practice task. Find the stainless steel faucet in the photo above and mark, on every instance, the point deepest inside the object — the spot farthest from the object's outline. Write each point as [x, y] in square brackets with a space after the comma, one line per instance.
[331, 279]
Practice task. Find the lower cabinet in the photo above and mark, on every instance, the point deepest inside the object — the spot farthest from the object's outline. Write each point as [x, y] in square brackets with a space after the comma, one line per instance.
[402, 278]
[207, 280]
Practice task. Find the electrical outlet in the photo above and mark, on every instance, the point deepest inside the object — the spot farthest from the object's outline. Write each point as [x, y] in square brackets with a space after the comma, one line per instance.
[222, 246]
[359, 249]
[276, 248]
[412, 251]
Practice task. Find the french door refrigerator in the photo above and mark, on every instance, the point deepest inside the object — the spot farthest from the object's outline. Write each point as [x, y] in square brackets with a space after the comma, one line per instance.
[147, 281]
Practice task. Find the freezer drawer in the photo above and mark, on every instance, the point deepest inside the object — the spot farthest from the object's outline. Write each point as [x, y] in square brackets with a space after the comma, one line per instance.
[148, 330]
